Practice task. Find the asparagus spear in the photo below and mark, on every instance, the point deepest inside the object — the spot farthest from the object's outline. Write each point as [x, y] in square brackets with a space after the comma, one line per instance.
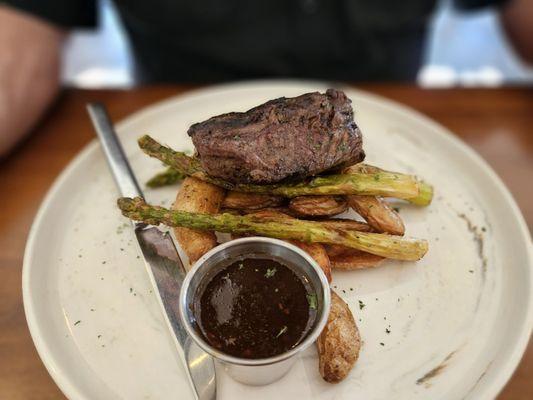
[425, 193]
[380, 183]
[166, 177]
[171, 176]
[306, 231]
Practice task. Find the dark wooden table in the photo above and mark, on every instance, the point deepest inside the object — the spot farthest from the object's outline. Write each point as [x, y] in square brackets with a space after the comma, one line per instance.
[496, 122]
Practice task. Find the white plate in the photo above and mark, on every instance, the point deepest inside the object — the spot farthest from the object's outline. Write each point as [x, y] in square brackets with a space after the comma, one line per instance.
[453, 325]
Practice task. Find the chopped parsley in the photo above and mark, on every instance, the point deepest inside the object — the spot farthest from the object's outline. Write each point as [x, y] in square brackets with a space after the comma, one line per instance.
[270, 272]
[282, 331]
[77, 322]
[361, 305]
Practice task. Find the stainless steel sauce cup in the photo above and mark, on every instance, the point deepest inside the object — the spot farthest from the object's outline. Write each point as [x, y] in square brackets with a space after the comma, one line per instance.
[264, 370]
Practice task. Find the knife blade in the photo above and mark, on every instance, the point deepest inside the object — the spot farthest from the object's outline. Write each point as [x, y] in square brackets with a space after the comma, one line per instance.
[163, 264]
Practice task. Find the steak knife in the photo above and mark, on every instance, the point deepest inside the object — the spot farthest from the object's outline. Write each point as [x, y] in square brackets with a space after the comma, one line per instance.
[163, 264]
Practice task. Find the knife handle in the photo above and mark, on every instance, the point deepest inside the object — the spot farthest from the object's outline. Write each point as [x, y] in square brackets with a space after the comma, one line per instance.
[118, 163]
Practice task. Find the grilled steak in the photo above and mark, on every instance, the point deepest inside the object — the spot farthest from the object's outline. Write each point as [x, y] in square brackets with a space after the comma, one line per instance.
[283, 139]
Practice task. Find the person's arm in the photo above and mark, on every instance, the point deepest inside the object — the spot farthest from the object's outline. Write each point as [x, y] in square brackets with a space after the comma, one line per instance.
[517, 21]
[29, 73]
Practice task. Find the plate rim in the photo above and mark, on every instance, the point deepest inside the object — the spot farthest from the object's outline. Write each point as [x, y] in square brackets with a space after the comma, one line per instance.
[70, 389]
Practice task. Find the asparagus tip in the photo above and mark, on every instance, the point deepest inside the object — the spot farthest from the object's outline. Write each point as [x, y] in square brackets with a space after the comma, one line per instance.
[144, 139]
[130, 206]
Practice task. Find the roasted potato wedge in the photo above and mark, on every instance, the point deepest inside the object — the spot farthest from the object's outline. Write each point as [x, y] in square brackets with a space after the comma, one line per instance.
[318, 253]
[378, 214]
[235, 211]
[339, 343]
[335, 250]
[250, 201]
[197, 196]
[351, 259]
[347, 224]
[318, 206]
[374, 210]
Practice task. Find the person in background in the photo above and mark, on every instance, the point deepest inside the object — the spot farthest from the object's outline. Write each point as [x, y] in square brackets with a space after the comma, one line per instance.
[216, 40]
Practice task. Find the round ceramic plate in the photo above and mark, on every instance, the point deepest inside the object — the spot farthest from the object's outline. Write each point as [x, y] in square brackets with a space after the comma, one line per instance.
[450, 326]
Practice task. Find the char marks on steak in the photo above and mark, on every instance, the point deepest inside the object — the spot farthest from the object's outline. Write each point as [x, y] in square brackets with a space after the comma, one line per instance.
[282, 139]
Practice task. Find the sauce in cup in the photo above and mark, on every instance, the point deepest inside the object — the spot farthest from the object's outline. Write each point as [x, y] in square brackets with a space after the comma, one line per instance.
[255, 308]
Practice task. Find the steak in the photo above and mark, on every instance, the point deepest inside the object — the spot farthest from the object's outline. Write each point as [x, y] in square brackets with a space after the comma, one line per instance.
[282, 139]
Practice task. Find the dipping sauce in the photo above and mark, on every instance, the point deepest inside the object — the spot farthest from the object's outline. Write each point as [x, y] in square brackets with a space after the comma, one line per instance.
[255, 308]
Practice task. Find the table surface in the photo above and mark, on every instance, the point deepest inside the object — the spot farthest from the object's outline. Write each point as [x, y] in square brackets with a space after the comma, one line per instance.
[495, 122]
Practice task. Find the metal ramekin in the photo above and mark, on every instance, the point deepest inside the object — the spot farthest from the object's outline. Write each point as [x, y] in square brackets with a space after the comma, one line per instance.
[265, 370]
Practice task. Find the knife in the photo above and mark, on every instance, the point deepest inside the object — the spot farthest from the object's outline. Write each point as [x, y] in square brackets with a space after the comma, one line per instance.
[163, 264]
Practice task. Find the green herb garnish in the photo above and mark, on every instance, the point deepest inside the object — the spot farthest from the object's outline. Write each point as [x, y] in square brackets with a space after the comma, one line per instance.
[313, 301]
[361, 305]
[270, 273]
[282, 331]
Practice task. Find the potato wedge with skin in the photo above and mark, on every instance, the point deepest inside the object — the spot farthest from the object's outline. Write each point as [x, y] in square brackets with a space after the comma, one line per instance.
[347, 224]
[378, 214]
[339, 343]
[235, 211]
[250, 201]
[318, 206]
[318, 253]
[197, 196]
[352, 259]
[335, 250]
